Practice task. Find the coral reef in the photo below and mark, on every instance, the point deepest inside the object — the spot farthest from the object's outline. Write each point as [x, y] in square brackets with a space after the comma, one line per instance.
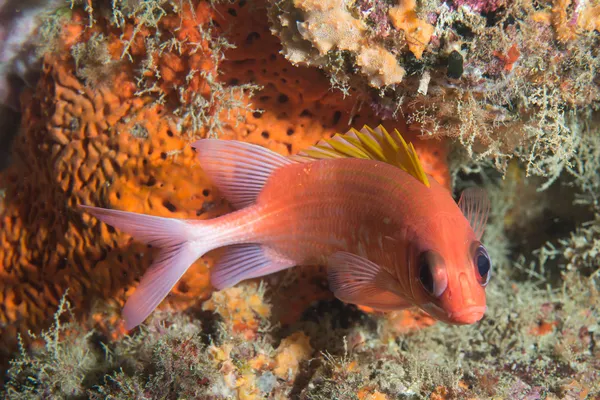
[125, 87]
[330, 27]
[109, 124]
[507, 79]
[532, 344]
[417, 32]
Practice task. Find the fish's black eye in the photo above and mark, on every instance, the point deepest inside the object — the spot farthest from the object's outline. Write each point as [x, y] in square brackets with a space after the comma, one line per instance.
[483, 264]
[432, 273]
[425, 275]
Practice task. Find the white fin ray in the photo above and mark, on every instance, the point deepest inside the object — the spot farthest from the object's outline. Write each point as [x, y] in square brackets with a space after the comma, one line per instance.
[245, 261]
[168, 267]
[475, 205]
[238, 169]
[179, 249]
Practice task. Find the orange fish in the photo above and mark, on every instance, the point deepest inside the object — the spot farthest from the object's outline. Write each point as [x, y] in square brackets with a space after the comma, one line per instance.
[360, 203]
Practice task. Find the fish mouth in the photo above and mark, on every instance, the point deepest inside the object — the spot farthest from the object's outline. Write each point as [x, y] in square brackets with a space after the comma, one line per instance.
[469, 315]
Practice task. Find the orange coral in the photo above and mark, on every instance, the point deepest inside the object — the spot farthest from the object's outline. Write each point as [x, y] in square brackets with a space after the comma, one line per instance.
[440, 393]
[543, 328]
[571, 389]
[589, 18]
[560, 19]
[242, 307]
[105, 146]
[291, 352]
[586, 19]
[403, 321]
[511, 57]
[418, 32]
[74, 155]
[121, 145]
[369, 394]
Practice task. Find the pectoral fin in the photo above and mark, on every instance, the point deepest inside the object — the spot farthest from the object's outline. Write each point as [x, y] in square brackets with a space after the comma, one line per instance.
[354, 279]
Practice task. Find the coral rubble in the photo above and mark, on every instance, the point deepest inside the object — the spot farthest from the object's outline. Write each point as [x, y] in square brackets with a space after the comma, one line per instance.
[531, 345]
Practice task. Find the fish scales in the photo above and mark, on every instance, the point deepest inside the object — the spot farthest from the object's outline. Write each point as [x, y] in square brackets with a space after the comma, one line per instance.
[330, 201]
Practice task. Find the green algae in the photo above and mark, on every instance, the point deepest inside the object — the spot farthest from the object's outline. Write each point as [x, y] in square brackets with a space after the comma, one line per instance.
[501, 356]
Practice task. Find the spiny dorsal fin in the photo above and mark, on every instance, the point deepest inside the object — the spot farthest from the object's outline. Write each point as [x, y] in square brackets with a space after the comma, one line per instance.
[374, 144]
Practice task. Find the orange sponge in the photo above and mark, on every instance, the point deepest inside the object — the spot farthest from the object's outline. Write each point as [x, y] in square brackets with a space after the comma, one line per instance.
[123, 146]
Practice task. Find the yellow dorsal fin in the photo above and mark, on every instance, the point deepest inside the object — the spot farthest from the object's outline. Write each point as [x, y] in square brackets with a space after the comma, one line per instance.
[374, 144]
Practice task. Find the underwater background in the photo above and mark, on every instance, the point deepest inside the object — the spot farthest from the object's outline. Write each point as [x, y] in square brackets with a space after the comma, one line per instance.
[101, 100]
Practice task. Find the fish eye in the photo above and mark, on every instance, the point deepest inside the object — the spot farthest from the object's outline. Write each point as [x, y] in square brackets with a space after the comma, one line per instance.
[432, 274]
[483, 264]
[425, 275]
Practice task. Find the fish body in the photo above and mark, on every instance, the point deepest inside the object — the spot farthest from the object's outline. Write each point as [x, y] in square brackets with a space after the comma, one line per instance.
[390, 239]
[358, 206]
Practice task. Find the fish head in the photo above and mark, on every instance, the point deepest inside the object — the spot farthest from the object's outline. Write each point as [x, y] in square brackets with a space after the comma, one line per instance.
[450, 270]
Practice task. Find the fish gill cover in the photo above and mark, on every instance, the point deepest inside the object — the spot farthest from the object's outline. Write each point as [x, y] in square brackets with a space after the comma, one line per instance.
[124, 88]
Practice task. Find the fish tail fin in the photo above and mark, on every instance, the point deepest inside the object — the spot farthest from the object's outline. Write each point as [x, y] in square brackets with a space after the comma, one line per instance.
[181, 243]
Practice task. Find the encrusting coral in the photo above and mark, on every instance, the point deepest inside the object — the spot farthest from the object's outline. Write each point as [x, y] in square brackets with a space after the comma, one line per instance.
[109, 124]
[328, 26]
[417, 32]
[508, 79]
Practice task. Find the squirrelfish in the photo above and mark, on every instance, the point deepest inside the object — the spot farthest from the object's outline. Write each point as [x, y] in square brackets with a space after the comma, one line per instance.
[360, 204]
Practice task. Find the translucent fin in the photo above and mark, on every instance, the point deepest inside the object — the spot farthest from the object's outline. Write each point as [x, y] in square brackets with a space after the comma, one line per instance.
[245, 261]
[475, 205]
[354, 279]
[240, 170]
[179, 249]
[149, 229]
[374, 144]
[168, 267]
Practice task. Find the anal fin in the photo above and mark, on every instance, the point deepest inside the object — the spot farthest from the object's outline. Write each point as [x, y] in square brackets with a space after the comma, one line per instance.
[354, 279]
[246, 261]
